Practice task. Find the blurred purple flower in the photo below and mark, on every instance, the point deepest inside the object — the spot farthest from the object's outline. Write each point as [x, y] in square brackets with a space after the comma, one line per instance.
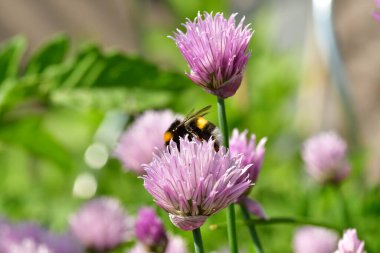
[325, 158]
[13, 236]
[350, 243]
[314, 240]
[195, 182]
[215, 49]
[175, 245]
[65, 243]
[101, 224]
[137, 144]
[17, 233]
[376, 14]
[150, 231]
[28, 246]
[31, 238]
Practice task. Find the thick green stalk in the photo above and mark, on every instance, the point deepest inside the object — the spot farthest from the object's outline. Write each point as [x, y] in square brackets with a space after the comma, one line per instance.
[252, 230]
[198, 244]
[231, 224]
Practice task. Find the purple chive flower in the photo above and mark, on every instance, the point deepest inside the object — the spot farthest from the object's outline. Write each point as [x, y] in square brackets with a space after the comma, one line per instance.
[215, 49]
[150, 231]
[195, 182]
[152, 236]
[325, 158]
[252, 154]
[314, 240]
[175, 245]
[376, 14]
[137, 144]
[101, 224]
[350, 243]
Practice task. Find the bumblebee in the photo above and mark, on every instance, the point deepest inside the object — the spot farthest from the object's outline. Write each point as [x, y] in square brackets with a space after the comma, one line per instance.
[194, 125]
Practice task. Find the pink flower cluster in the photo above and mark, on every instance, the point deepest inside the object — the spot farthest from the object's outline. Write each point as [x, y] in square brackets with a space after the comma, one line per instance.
[101, 224]
[350, 243]
[149, 127]
[215, 49]
[196, 182]
[325, 158]
[320, 240]
[251, 152]
[152, 236]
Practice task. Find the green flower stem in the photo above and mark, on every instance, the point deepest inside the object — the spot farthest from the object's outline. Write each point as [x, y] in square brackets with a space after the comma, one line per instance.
[231, 224]
[343, 206]
[231, 229]
[198, 244]
[252, 230]
[223, 122]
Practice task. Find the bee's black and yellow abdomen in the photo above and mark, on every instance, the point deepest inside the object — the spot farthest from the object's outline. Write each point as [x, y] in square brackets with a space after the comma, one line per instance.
[204, 130]
[192, 126]
[201, 123]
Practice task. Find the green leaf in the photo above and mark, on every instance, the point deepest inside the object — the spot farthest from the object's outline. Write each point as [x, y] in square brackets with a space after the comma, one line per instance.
[84, 65]
[135, 72]
[111, 98]
[10, 55]
[6, 91]
[30, 134]
[92, 67]
[53, 52]
[17, 93]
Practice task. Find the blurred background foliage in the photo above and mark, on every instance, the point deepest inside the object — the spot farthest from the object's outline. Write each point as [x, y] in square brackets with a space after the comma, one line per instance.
[63, 98]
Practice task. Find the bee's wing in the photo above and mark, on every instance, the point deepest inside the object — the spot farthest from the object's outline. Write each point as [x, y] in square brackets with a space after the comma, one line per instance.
[193, 115]
[188, 115]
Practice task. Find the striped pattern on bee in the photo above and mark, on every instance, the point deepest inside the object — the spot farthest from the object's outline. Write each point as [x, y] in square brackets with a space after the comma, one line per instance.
[194, 125]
